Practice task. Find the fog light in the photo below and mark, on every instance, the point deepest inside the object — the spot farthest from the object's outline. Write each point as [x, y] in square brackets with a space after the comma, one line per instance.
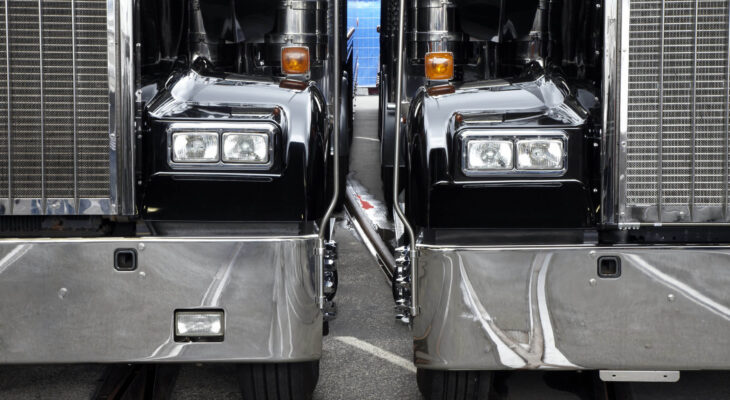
[199, 325]
[250, 148]
[195, 147]
[540, 154]
[484, 155]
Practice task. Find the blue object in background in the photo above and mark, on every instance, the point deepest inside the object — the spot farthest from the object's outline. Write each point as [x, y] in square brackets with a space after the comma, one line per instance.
[364, 15]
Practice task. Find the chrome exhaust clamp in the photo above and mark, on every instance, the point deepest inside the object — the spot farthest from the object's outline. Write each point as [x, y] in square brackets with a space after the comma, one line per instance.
[402, 285]
[330, 279]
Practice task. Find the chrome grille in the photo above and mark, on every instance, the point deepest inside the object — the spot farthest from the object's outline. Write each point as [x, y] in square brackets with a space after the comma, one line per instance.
[674, 144]
[55, 93]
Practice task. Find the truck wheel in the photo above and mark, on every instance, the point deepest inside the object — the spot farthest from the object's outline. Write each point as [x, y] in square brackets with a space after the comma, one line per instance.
[282, 381]
[448, 385]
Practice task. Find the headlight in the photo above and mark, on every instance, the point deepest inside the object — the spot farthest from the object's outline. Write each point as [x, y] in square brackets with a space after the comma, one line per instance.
[252, 148]
[489, 154]
[222, 146]
[512, 152]
[540, 154]
[195, 147]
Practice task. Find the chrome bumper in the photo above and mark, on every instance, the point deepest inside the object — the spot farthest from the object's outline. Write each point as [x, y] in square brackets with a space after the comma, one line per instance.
[62, 301]
[546, 307]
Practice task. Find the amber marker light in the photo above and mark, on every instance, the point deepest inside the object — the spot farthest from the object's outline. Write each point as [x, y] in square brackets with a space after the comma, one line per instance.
[439, 66]
[295, 60]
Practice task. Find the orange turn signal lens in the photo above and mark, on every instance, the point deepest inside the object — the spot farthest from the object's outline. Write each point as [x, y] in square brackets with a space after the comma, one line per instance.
[439, 66]
[295, 60]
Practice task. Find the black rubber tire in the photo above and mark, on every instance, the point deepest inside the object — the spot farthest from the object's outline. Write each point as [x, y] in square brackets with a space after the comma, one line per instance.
[453, 385]
[282, 381]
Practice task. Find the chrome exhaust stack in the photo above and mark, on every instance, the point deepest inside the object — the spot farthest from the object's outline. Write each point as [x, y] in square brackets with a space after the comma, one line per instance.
[410, 264]
[337, 81]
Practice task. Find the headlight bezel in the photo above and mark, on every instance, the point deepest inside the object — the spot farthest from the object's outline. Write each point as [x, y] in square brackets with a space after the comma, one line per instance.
[221, 128]
[514, 136]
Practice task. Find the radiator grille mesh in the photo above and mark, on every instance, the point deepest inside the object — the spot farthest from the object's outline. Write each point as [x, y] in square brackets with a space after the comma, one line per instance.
[676, 142]
[59, 115]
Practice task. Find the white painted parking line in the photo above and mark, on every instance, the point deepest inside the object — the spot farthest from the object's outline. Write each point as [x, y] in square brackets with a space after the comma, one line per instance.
[378, 352]
[13, 256]
[367, 138]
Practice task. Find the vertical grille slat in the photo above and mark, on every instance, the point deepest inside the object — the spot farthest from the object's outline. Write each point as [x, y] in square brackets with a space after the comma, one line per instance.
[675, 155]
[42, 104]
[58, 117]
[5, 132]
[91, 91]
[25, 97]
[726, 95]
[54, 95]
[75, 99]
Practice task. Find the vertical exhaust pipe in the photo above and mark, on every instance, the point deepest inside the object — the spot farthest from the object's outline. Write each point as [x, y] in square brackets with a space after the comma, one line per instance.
[200, 53]
[396, 162]
[336, 150]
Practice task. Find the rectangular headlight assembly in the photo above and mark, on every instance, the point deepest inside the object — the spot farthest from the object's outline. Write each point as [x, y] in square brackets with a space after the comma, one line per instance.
[513, 152]
[222, 145]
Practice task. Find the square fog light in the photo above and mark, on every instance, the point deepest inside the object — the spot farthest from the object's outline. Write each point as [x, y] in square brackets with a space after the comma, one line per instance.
[249, 148]
[195, 147]
[202, 325]
[489, 155]
[541, 154]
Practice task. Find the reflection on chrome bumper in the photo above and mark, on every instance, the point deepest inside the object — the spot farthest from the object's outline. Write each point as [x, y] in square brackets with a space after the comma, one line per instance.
[501, 308]
[63, 301]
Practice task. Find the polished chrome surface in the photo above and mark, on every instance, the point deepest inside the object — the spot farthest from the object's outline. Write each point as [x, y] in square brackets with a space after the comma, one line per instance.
[83, 310]
[302, 17]
[402, 285]
[59, 206]
[369, 217]
[120, 33]
[610, 93]
[330, 281]
[432, 27]
[396, 161]
[546, 307]
[638, 376]
[198, 37]
[61, 86]
[299, 23]
[673, 150]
